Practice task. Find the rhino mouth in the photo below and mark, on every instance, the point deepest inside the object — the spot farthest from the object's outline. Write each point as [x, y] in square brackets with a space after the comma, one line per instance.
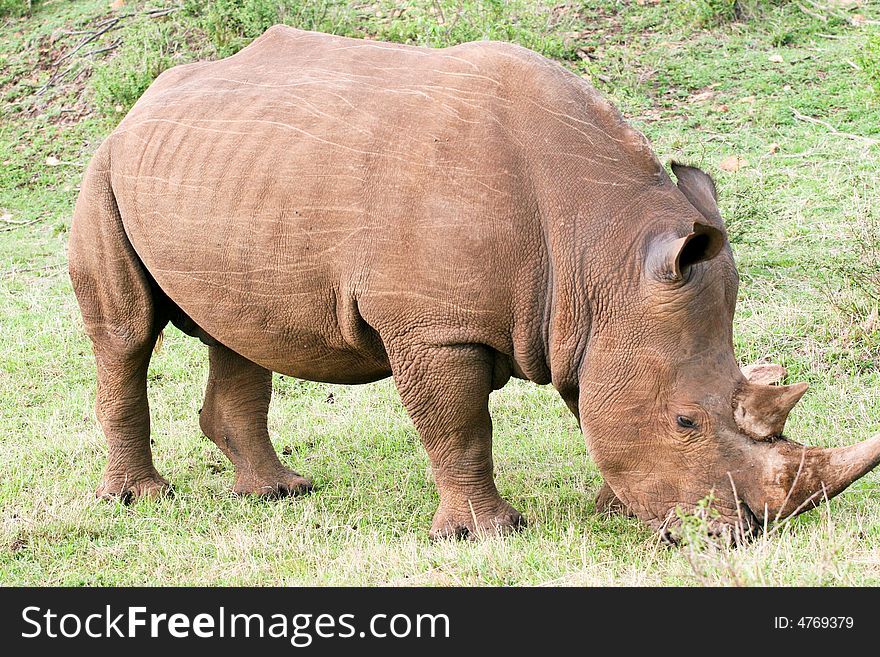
[727, 530]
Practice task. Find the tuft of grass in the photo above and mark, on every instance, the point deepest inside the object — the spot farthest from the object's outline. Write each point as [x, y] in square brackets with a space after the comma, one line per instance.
[706, 13]
[869, 60]
[230, 25]
[15, 8]
[149, 49]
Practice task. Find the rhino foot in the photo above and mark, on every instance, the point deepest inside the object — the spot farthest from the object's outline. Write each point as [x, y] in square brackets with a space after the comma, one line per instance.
[284, 483]
[465, 523]
[127, 489]
[234, 418]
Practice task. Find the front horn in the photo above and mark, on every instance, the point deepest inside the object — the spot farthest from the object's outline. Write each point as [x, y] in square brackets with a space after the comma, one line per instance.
[797, 478]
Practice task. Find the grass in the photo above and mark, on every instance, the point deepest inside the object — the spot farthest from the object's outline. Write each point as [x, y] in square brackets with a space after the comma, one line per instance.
[803, 217]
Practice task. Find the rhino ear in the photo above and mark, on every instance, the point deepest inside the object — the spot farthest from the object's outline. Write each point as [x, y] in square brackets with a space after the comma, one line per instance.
[699, 188]
[671, 258]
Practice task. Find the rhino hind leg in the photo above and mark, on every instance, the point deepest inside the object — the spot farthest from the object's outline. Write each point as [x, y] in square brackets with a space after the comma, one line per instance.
[608, 503]
[234, 416]
[117, 298]
[124, 414]
[446, 392]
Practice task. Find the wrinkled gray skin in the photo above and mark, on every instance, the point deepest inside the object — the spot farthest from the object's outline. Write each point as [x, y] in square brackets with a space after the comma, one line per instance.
[342, 210]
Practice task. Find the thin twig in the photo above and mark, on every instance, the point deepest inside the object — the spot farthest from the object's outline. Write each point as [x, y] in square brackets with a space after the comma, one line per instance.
[830, 11]
[55, 77]
[19, 224]
[14, 271]
[810, 500]
[822, 18]
[86, 40]
[697, 571]
[101, 28]
[74, 32]
[801, 507]
[14, 222]
[842, 16]
[474, 516]
[112, 19]
[731, 570]
[152, 13]
[155, 13]
[741, 524]
[455, 18]
[439, 10]
[833, 130]
[113, 45]
[793, 484]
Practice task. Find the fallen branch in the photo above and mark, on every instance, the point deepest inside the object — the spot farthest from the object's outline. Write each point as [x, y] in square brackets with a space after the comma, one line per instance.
[74, 32]
[99, 30]
[438, 11]
[819, 7]
[13, 222]
[841, 15]
[14, 271]
[833, 130]
[113, 45]
[154, 13]
[86, 40]
[15, 225]
[55, 77]
[822, 18]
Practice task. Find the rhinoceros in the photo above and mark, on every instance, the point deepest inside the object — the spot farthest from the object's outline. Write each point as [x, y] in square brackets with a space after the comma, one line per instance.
[345, 210]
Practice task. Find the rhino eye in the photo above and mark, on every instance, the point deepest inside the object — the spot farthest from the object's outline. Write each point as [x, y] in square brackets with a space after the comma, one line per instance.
[685, 422]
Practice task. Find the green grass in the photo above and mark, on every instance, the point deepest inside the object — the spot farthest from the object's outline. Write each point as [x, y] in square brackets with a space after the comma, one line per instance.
[15, 8]
[803, 219]
[869, 59]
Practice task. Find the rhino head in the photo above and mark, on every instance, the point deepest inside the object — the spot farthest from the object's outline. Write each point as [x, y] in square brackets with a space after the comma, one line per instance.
[668, 414]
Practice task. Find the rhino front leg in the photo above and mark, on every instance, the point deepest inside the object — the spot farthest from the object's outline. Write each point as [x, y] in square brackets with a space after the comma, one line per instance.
[446, 392]
[234, 416]
[608, 502]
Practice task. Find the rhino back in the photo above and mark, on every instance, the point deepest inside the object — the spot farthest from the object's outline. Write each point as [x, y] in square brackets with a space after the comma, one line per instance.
[323, 190]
